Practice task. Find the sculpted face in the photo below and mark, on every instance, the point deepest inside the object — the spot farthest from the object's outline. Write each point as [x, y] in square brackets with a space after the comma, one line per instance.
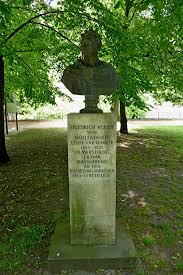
[90, 46]
[94, 77]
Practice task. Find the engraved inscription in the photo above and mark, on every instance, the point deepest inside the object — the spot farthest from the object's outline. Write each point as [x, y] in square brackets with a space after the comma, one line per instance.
[92, 145]
[92, 178]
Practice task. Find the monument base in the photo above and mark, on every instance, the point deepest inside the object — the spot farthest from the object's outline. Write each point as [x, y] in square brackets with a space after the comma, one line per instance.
[63, 255]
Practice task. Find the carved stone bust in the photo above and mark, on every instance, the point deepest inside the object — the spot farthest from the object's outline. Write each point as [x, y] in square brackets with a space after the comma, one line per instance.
[89, 76]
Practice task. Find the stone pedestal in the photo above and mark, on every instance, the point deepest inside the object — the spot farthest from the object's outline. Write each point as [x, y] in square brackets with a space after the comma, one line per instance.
[92, 178]
[92, 239]
[64, 256]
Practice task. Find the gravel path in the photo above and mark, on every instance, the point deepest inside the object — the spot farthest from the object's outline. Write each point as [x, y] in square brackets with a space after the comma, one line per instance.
[132, 124]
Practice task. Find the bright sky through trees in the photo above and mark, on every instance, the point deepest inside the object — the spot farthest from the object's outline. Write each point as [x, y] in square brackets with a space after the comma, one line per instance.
[52, 3]
[147, 51]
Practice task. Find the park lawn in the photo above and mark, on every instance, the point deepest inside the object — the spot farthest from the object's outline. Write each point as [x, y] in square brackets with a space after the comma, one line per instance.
[34, 197]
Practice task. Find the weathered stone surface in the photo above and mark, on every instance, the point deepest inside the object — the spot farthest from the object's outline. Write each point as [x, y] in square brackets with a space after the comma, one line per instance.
[92, 178]
[99, 79]
[90, 76]
[63, 255]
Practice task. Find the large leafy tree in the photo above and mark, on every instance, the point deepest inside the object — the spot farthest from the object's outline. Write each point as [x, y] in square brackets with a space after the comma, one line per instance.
[141, 38]
[30, 47]
[149, 57]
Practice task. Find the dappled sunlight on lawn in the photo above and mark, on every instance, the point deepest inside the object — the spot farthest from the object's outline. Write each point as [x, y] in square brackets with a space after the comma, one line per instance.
[136, 139]
[123, 144]
[34, 194]
[129, 195]
[142, 202]
[149, 180]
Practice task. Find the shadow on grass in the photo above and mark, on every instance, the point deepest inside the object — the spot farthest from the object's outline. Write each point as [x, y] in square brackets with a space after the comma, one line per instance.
[149, 169]
[34, 196]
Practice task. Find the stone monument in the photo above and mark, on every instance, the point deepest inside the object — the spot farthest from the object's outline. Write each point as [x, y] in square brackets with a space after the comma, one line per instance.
[92, 239]
[90, 76]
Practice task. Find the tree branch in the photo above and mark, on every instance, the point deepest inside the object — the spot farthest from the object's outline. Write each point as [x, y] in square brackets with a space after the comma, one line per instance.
[129, 4]
[132, 17]
[20, 8]
[62, 35]
[30, 69]
[26, 23]
[24, 63]
[26, 51]
[31, 50]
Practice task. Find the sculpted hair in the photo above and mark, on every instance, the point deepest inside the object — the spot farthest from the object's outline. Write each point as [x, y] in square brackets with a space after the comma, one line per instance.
[93, 37]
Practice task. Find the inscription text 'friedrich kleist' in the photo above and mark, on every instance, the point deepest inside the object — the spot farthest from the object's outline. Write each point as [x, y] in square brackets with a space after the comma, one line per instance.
[92, 144]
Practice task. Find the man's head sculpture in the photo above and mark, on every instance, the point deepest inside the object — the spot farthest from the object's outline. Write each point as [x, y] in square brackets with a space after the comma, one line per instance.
[90, 76]
[90, 46]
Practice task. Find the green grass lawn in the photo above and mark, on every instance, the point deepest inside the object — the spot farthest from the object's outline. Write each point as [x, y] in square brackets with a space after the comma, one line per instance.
[34, 197]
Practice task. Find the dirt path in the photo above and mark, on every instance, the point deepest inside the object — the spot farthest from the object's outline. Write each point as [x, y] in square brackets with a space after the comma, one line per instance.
[63, 123]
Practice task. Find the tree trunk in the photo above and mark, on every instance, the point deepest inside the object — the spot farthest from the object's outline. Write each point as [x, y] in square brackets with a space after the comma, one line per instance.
[123, 119]
[3, 153]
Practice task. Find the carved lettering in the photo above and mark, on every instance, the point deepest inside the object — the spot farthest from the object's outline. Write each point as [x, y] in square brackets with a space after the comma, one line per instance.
[91, 145]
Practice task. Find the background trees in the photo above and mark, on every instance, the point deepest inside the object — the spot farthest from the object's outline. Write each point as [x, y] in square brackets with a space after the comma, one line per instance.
[147, 50]
[30, 47]
[141, 38]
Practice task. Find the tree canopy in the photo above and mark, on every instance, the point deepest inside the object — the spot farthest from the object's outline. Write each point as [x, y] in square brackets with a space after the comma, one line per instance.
[32, 46]
[141, 38]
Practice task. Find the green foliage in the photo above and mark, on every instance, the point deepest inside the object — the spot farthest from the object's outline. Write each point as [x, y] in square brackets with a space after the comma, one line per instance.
[18, 245]
[134, 112]
[142, 39]
[33, 51]
[47, 111]
[38, 177]
[179, 267]
[168, 235]
[149, 240]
